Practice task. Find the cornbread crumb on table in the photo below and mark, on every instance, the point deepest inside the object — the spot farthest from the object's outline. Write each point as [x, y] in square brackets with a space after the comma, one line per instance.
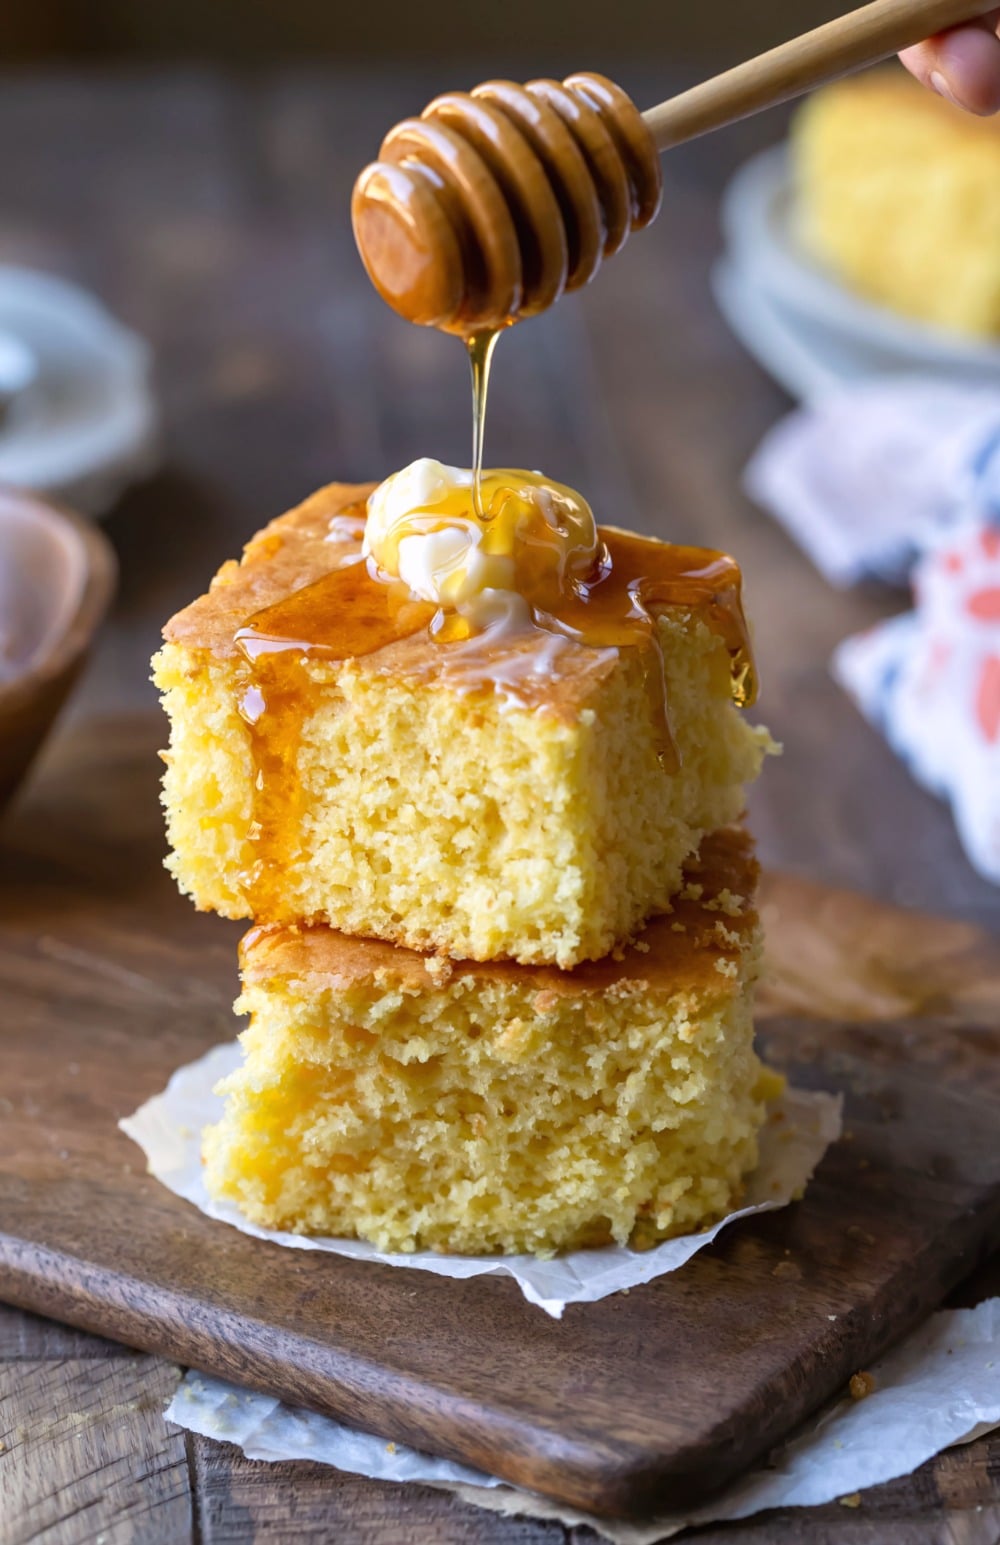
[536, 824]
[498, 1108]
[898, 192]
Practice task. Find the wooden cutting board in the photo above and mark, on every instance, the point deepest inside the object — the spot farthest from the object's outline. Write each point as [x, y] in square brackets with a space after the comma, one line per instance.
[108, 981]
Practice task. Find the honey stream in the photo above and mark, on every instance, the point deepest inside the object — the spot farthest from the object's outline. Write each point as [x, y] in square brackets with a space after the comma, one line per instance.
[480, 348]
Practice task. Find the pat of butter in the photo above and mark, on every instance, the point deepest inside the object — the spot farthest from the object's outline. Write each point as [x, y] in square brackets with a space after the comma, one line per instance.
[532, 539]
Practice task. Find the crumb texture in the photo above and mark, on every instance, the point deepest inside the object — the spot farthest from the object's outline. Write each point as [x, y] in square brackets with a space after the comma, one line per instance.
[495, 1109]
[898, 193]
[449, 821]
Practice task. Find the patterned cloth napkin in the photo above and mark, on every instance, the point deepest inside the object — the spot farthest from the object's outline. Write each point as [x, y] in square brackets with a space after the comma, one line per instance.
[900, 479]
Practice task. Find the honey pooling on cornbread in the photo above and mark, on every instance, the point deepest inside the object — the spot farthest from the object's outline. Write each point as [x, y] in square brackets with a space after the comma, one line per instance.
[420, 1103]
[348, 614]
[506, 794]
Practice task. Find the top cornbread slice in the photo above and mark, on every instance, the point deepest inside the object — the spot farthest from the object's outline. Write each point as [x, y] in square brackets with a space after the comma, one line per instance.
[408, 799]
[898, 192]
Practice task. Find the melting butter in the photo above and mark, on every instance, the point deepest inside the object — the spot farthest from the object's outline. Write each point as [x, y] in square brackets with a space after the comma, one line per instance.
[524, 535]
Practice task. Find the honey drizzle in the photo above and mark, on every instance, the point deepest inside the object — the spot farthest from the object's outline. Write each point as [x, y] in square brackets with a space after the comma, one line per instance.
[271, 696]
[341, 615]
[620, 608]
[346, 614]
[480, 348]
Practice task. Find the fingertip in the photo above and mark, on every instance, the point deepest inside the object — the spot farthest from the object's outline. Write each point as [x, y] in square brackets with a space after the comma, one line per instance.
[964, 67]
[919, 61]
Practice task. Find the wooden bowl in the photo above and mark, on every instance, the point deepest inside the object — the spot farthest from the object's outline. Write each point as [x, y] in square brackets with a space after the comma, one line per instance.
[57, 576]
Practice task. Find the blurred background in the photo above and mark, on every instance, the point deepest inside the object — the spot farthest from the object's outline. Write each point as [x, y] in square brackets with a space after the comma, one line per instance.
[265, 31]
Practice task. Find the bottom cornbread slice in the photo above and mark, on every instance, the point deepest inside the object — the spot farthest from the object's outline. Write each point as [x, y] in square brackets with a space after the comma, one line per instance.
[421, 1103]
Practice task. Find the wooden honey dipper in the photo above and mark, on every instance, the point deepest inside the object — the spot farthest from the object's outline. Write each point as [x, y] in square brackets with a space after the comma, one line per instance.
[488, 206]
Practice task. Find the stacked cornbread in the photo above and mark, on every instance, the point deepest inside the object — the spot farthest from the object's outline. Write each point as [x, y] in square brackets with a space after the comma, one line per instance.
[475, 778]
[898, 192]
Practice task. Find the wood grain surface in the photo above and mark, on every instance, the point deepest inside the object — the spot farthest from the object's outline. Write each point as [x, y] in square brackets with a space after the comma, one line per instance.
[56, 1415]
[129, 983]
[741, 1338]
[126, 986]
[210, 213]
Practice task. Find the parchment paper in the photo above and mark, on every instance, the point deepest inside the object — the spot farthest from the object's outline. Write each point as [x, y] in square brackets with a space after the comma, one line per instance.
[939, 1387]
[168, 1127]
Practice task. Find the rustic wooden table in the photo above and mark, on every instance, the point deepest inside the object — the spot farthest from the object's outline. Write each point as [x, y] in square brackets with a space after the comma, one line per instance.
[211, 215]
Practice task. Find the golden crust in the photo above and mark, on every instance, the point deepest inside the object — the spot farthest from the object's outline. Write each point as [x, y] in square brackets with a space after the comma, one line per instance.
[290, 551]
[687, 948]
[296, 549]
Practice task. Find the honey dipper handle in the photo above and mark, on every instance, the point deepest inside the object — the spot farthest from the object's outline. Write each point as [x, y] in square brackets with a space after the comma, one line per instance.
[846, 44]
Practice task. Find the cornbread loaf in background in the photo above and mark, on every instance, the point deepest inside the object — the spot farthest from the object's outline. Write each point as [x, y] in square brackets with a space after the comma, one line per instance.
[898, 193]
[510, 807]
[425, 1104]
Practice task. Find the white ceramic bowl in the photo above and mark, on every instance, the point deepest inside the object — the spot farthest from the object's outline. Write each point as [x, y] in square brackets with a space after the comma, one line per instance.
[79, 422]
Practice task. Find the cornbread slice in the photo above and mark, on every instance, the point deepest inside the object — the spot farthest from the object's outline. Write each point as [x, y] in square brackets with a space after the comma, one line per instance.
[421, 1103]
[405, 795]
[899, 193]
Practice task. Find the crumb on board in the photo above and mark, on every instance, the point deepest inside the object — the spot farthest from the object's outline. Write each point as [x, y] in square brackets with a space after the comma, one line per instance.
[861, 1386]
[787, 1271]
[853, 1499]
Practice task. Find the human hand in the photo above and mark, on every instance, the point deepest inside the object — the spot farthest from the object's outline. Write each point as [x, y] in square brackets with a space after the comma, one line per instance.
[962, 64]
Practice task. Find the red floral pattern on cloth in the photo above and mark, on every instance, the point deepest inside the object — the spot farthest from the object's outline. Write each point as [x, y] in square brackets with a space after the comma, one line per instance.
[930, 680]
[988, 698]
[898, 477]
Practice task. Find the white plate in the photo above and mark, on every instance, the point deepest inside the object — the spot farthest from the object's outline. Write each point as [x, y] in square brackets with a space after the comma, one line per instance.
[83, 423]
[808, 357]
[812, 309]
